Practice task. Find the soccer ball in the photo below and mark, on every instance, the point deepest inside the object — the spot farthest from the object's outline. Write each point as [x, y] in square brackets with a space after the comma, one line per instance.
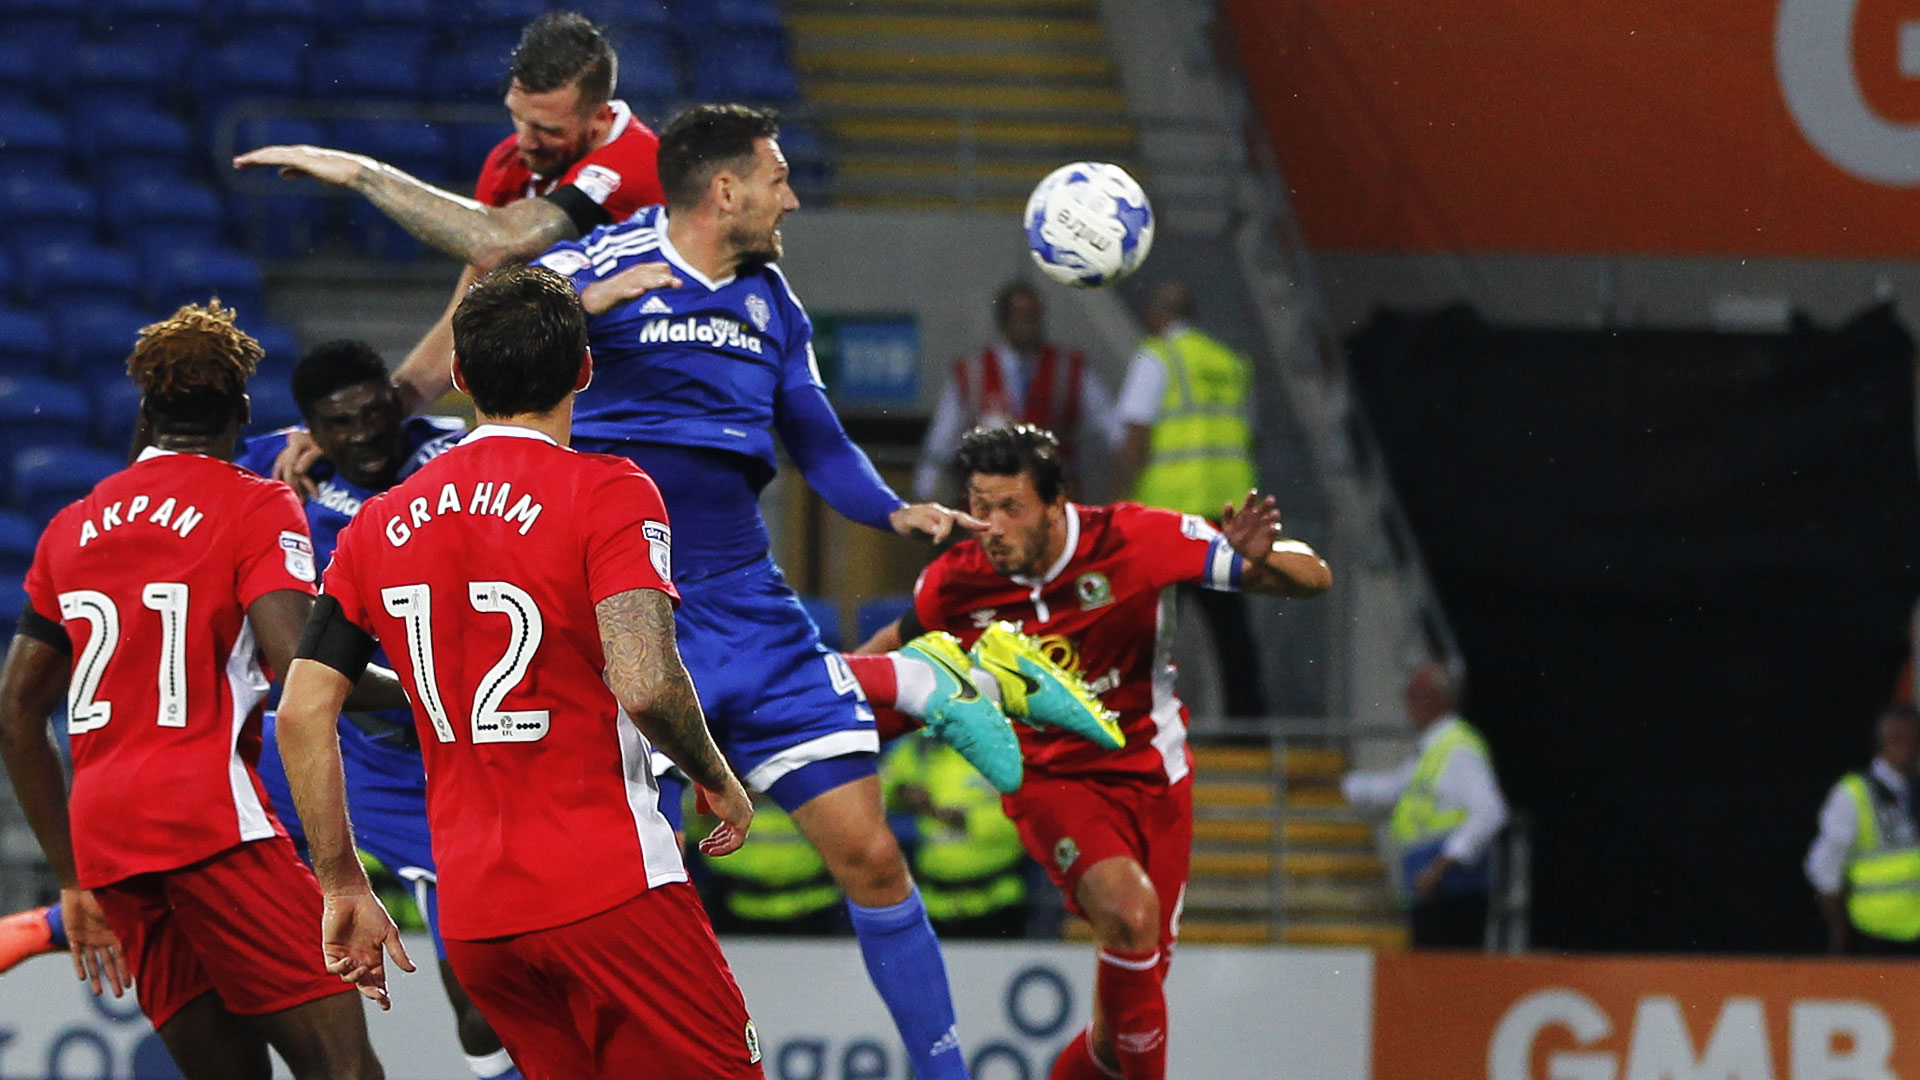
[1088, 224]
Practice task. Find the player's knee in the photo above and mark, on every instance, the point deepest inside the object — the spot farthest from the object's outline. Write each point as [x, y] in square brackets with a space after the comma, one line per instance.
[871, 869]
[1128, 919]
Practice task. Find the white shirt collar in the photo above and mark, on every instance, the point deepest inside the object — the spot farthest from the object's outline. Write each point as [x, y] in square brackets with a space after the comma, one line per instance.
[506, 431]
[1066, 554]
[1889, 776]
[679, 263]
[151, 452]
[1435, 729]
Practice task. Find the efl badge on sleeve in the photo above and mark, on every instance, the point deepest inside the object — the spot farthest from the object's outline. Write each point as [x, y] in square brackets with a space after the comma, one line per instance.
[299, 552]
[659, 547]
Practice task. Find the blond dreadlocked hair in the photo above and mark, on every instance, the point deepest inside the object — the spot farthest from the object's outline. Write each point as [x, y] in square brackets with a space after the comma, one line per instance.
[193, 367]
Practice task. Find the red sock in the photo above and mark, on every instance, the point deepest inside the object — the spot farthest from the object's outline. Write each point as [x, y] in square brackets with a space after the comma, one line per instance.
[892, 723]
[1135, 1007]
[1076, 1061]
[875, 675]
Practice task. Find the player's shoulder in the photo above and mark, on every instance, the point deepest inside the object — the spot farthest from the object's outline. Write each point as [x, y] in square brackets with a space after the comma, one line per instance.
[1132, 518]
[783, 289]
[501, 174]
[637, 238]
[964, 562]
[636, 141]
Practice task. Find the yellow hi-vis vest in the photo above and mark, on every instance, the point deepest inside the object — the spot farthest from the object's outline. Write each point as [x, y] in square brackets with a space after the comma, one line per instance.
[1417, 817]
[1200, 456]
[964, 872]
[776, 875]
[1883, 881]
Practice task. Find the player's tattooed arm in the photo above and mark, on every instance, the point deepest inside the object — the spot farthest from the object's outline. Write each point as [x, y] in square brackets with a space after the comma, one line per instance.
[646, 675]
[484, 236]
[1273, 566]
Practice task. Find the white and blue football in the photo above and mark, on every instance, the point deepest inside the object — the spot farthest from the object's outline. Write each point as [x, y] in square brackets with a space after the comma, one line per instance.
[1089, 224]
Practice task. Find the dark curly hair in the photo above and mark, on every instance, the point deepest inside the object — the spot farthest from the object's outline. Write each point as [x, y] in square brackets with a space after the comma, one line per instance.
[1011, 450]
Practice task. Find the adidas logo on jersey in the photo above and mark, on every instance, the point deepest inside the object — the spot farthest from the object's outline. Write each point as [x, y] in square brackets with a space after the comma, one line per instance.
[655, 306]
[716, 330]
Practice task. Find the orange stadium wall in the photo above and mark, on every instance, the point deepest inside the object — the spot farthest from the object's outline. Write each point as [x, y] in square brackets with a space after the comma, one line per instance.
[1711, 128]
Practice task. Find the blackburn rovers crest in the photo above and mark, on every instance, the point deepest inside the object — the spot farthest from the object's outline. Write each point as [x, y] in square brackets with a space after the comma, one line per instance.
[1094, 589]
[1065, 853]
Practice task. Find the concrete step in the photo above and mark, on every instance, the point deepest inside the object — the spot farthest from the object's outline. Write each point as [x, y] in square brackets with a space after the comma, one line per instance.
[1238, 794]
[1249, 831]
[1314, 798]
[1351, 866]
[1195, 931]
[938, 200]
[1299, 832]
[1343, 898]
[1302, 763]
[976, 33]
[1053, 137]
[1030, 8]
[1091, 102]
[1383, 937]
[1028, 67]
[1219, 760]
[1246, 896]
[1239, 865]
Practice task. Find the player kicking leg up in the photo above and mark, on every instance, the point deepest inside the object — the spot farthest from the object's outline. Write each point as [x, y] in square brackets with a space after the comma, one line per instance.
[149, 601]
[542, 677]
[1113, 827]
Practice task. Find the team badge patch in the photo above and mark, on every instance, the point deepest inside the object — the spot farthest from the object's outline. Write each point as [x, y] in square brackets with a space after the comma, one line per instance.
[659, 547]
[758, 311]
[566, 263]
[598, 182]
[1065, 853]
[1094, 589]
[299, 552]
[753, 1044]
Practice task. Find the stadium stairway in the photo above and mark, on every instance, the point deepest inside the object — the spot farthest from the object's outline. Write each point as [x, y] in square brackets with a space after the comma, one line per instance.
[944, 103]
[1278, 857]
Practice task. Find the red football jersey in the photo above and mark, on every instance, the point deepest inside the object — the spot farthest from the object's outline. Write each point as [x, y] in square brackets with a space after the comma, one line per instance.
[621, 174]
[1104, 610]
[480, 574]
[152, 574]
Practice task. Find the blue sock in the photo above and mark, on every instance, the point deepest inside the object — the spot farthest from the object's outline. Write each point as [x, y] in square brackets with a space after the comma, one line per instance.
[903, 960]
[58, 924]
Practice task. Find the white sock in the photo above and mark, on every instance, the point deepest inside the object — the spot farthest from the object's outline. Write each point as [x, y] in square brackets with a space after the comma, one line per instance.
[488, 1066]
[914, 684]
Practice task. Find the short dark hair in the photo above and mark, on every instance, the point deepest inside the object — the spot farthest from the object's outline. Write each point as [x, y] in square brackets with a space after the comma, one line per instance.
[1004, 298]
[562, 48]
[519, 335]
[705, 139]
[1012, 449]
[332, 366]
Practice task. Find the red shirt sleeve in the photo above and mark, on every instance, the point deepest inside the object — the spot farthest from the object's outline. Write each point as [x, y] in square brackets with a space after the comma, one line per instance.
[273, 551]
[930, 603]
[629, 542]
[1173, 547]
[622, 176]
[42, 596]
[495, 186]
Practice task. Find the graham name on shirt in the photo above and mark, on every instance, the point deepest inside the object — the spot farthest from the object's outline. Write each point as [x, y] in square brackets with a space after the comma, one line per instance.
[489, 499]
[167, 515]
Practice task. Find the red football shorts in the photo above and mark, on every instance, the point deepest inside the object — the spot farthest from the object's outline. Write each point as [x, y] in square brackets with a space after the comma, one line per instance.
[244, 923]
[640, 991]
[1069, 826]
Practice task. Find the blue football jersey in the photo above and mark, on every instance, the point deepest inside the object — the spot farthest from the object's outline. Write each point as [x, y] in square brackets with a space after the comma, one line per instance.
[703, 365]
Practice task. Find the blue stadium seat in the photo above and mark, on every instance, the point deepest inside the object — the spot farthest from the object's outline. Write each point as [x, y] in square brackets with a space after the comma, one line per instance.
[80, 273]
[619, 16]
[26, 342]
[649, 67]
[514, 14]
[744, 67]
[495, 41]
[418, 148]
[280, 23]
[91, 340]
[271, 396]
[19, 535]
[281, 347]
[275, 218]
[468, 75]
[468, 145]
[154, 213]
[36, 411]
[40, 210]
[727, 15]
[31, 140]
[13, 597]
[8, 280]
[170, 28]
[878, 612]
[365, 71]
[412, 14]
[124, 72]
[825, 615]
[19, 71]
[116, 409]
[243, 71]
[47, 478]
[133, 138]
[193, 275]
[54, 25]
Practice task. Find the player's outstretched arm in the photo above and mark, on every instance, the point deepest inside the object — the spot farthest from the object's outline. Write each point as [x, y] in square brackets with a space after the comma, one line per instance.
[279, 619]
[356, 934]
[483, 236]
[647, 678]
[1274, 566]
[31, 684]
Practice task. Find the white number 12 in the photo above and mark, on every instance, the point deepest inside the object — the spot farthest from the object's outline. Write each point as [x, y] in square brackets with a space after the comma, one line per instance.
[413, 606]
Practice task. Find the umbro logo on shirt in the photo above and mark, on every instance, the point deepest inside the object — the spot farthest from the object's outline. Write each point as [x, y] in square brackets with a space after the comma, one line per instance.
[655, 306]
